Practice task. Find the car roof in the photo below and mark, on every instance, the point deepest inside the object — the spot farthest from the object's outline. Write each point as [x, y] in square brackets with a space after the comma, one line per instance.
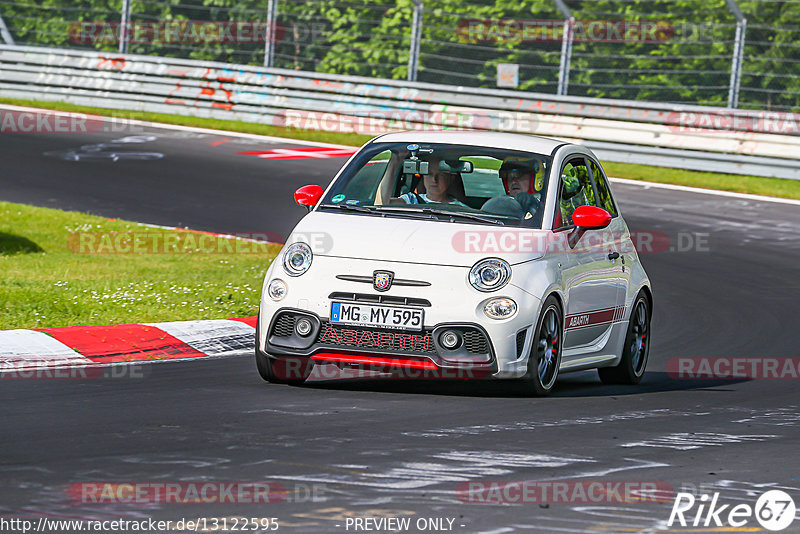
[527, 143]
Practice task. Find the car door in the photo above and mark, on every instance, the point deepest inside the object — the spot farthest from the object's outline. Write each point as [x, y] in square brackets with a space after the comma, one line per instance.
[616, 237]
[589, 274]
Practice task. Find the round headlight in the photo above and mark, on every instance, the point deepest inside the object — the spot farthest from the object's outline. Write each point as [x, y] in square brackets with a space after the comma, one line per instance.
[277, 289]
[490, 275]
[500, 308]
[297, 259]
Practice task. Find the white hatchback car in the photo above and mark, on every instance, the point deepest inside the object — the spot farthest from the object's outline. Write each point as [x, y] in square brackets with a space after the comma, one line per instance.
[459, 254]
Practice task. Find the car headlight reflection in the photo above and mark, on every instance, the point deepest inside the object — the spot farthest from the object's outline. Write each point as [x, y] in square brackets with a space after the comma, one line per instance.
[500, 308]
[490, 274]
[297, 259]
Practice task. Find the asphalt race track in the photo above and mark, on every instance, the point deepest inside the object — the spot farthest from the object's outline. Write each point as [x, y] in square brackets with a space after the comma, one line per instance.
[728, 288]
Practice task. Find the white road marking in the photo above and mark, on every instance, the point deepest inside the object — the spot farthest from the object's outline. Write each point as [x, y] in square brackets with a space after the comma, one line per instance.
[684, 441]
[789, 416]
[450, 467]
[535, 425]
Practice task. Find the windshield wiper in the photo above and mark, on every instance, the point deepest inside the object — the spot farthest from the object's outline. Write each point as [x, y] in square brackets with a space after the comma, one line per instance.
[434, 211]
[349, 207]
[376, 210]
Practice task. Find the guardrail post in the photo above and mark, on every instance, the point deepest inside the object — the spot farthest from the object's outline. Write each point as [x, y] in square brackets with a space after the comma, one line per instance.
[416, 36]
[566, 47]
[124, 26]
[738, 54]
[269, 45]
[4, 33]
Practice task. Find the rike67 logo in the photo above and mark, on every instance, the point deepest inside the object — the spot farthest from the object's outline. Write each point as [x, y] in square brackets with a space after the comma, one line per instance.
[774, 511]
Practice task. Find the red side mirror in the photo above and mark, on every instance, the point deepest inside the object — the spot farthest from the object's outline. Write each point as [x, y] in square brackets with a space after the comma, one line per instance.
[590, 217]
[308, 195]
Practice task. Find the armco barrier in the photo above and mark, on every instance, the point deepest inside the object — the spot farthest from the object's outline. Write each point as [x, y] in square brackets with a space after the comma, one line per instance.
[702, 138]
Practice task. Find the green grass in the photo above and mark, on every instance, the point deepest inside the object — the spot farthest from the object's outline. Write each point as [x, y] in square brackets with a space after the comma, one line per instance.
[50, 278]
[726, 182]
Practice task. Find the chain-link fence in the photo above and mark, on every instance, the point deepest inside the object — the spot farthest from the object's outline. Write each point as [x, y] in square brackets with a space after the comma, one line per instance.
[735, 53]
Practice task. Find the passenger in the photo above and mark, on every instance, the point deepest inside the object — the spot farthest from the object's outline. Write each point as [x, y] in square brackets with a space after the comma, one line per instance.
[437, 183]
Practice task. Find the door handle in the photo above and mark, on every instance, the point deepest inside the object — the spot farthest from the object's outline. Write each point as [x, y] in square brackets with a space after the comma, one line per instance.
[613, 255]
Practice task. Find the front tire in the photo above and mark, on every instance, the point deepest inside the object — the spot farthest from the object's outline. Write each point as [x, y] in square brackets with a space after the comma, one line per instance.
[545, 357]
[636, 349]
[291, 371]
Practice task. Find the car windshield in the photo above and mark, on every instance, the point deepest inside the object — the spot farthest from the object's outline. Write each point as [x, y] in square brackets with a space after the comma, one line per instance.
[459, 183]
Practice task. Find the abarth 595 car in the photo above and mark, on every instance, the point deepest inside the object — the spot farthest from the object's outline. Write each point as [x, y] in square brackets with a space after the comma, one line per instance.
[459, 254]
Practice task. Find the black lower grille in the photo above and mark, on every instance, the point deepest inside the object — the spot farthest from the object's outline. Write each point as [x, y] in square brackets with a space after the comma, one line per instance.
[284, 325]
[475, 342]
[375, 339]
[520, 342]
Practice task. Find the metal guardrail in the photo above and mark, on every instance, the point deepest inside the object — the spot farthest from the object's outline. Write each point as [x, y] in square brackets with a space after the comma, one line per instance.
[689, 137]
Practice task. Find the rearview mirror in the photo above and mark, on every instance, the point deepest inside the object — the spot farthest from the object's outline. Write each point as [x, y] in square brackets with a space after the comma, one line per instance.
[456, 166]
[308, 196]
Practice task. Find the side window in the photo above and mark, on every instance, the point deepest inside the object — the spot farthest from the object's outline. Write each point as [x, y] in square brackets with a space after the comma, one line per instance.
[576, 190]
[603, 192]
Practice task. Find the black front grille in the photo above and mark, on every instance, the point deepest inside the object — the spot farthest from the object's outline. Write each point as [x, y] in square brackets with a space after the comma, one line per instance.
[379, 340]
[475, 342]
[379, 299]
[520, 342]
[284, 325]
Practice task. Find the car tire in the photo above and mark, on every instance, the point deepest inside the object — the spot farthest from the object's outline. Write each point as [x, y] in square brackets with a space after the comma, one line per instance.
[291, 371]
[545, 356]
[636, 349]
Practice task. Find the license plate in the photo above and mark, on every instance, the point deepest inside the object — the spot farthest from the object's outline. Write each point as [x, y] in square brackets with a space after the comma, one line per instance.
[377, 316]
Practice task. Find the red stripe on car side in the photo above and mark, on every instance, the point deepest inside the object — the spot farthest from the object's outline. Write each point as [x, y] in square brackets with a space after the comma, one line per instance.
[591, 318]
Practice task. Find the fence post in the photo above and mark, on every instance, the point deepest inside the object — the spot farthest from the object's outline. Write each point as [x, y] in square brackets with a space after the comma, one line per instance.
[738, 54]
[269, 45]
[4, 33]
[124, 26]
[416, 36]
[566, 47]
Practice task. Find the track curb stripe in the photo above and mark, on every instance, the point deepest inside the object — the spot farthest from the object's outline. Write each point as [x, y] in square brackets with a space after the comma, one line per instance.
[112, 344]
[122, 343]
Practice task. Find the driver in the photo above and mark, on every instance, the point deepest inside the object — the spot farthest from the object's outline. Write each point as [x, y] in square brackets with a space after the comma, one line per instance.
[519, 180]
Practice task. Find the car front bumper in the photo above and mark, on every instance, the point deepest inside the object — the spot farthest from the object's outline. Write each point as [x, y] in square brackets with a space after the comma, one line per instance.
[499, 347]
